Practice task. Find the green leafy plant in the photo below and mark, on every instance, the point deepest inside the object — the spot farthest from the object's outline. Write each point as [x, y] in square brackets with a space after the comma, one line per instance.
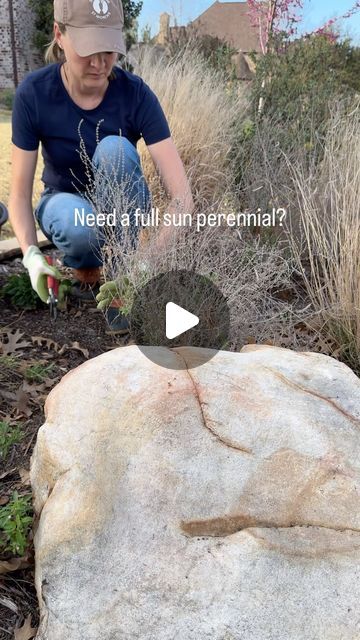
[7, 98]
[302, 81]
[8, 362]
[18, 288]
[65, 287]
[38, 372]
[15, 521]
[146, 36]
[248, 129]
[8, 436]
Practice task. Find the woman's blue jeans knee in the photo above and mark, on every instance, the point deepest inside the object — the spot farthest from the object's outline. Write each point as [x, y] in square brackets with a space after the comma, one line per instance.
[117, 174]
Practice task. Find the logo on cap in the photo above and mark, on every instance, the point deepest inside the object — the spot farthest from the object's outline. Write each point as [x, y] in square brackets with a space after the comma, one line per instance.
[101, 9]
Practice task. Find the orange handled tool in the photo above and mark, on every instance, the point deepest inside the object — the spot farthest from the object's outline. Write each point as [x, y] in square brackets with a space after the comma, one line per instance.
[53, 286]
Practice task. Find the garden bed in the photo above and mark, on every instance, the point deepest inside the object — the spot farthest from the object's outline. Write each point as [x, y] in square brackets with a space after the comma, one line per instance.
[36, 353]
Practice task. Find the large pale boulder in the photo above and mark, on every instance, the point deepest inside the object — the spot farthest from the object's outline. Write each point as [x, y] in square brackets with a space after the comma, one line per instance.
[218, 502]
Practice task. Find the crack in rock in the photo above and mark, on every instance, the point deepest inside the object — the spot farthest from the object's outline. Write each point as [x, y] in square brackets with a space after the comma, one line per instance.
[224, 526]
[205, 419]
[297, 386]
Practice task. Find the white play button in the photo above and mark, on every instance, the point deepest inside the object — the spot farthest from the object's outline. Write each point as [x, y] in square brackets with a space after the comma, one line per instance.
[157, 322]
[178, 320]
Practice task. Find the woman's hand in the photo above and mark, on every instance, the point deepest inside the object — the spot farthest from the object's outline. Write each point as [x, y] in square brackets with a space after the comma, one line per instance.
[107, 293]
[39, 269]
[162, 241]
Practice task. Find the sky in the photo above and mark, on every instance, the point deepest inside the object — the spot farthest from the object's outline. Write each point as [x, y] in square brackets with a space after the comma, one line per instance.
[315, 13]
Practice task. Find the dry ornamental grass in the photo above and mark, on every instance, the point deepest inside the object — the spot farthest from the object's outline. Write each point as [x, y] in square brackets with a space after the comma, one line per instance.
[329, 206]
[202, 112]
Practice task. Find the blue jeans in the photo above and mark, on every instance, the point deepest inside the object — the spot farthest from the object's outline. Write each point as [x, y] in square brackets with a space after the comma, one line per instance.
[117, 160]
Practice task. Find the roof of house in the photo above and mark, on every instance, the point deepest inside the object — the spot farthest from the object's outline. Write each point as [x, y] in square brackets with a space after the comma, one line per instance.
[229, 21]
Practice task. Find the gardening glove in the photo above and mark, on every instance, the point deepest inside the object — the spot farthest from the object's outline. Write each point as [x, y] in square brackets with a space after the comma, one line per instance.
[115, 290]
[107, 293]
[38, 269]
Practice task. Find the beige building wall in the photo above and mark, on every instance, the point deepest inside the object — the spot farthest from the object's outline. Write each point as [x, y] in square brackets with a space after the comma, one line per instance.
[164, 32]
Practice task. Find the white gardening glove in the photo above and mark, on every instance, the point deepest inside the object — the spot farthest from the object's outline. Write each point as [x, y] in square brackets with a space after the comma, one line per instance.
[38, 269]
[116, 289]
[107, 293]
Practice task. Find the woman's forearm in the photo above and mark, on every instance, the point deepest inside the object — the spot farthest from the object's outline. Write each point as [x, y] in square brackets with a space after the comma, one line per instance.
[180, 193]
[22, 221]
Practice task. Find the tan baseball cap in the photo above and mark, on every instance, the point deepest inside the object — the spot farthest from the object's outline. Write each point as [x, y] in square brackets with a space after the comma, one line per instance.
[93, 26]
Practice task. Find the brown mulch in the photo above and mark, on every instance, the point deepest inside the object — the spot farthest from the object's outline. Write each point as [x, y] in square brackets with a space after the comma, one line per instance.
[77, 334]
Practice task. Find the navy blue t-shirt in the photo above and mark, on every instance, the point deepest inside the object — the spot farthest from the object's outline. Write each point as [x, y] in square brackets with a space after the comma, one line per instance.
[44, 112]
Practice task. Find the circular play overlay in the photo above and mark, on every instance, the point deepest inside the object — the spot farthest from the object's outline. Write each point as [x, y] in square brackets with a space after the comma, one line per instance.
[176, 309]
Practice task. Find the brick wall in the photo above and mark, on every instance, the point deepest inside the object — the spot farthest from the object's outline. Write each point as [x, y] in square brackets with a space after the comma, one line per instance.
[27, 58]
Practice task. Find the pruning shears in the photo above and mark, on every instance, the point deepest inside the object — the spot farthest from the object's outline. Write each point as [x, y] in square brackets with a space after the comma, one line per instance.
[53, 286]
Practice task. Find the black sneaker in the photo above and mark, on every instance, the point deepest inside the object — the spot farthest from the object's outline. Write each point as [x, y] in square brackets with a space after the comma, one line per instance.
[117, 323]
[84, 290]
[86, 283]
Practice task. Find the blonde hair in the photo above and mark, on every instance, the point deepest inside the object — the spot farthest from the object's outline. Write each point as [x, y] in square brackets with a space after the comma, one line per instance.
[54, 53]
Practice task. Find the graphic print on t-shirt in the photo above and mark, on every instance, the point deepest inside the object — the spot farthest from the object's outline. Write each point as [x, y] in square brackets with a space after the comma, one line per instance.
[44, 112]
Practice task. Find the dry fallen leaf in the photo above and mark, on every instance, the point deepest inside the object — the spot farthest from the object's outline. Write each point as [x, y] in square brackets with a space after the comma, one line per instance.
[64, 348]
[35, 389]
[22, 402]
[76, 347]
[7, 395]
[40, 341]
[25, 476]
[26, 631]
[39, 392]
[50, 344]
[6, 566]
[13, 342]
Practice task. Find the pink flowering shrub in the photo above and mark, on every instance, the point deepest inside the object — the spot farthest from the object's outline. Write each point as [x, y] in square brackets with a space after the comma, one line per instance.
[274, 18]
